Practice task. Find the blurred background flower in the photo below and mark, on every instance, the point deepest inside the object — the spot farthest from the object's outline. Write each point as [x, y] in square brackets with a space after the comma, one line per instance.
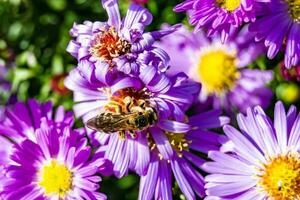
[57, 84]
[292, 74]
[222, 69]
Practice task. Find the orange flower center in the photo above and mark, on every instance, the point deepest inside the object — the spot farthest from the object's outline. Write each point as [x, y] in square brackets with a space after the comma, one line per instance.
[108, 45]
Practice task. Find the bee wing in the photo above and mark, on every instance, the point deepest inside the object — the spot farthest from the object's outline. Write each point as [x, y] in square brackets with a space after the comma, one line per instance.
[124, 122]
[111, 122]
[110, 118]
[103, 120]
[92, 123]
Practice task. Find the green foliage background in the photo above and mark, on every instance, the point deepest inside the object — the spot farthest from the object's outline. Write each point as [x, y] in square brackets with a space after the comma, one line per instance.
[37, 32]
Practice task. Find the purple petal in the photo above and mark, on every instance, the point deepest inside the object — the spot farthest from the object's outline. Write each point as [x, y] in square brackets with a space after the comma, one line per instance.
[174, 126]
[143, 151]
[162, 143]
[148, 182]
[137, 14]
[182, 181]
[112, 8]
[280, 125]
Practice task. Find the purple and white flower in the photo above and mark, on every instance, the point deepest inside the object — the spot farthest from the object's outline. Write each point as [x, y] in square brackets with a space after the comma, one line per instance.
[264, 160]
[170, 97]
[221, 68]
[120, 42]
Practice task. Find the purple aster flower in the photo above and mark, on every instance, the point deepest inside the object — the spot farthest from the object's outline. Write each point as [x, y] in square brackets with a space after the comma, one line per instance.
[220, 68]
[58, 166]
[279, 26]
[218, 16]
[264, 161]
[102, 92]
[42, 146]
[121, 43]
[184, 165]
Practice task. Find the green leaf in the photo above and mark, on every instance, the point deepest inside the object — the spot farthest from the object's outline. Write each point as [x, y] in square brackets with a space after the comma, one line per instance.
[20, 75]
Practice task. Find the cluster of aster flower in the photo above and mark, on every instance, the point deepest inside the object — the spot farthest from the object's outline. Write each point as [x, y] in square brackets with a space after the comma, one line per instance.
[152, 102]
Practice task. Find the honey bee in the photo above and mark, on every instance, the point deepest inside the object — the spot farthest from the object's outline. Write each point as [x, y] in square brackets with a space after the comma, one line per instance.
[139, 118]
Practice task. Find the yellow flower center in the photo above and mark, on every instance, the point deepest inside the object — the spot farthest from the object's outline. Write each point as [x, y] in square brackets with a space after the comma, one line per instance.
[178, 142]
[55, 179]
[108, 45]
[217, 71]
[294, 9]
[229, 5]
[281, 178]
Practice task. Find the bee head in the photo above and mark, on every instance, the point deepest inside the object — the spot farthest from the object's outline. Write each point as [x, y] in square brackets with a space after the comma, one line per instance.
[152, 116]
[141, 121]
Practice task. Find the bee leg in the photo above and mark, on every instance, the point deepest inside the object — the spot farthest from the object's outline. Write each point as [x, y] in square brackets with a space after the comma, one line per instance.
[122, 135]
[132, 134]
[128, 101]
